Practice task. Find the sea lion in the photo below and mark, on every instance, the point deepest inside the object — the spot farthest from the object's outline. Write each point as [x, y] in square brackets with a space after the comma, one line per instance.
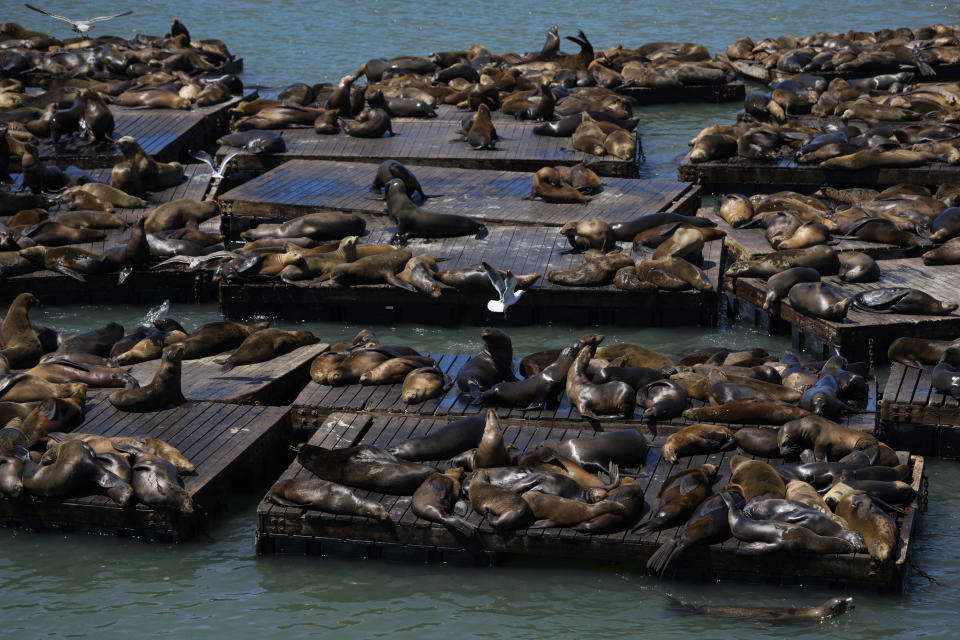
[491, 451]
[392, 169]
[786, 510]
[610, 399]
[758, 441]
[662, 400]
[414, 222]
[696, 439]
[379, 268]
[829, 609]
[364, 467]
[735, 209]
[779, 285]
[481, 134]
[679, 496]
[71, 468]
[947, 253]
[901, 300]
[324, 225]
[156, 483]
[766, 536]
[858, 267]
[593, 233]
[682, 269]
[163, 391]
[176, 214]
[879, 530]
[146, 172]
[329, 497]
[255, 141]
[444, 442]
[753, 478]
[636, 377]
[597, 270]
[708, 524]
[51, 233]
[267, 344]
[549, 185]
[370, 123]
[630, 495]
[434, 500]
[828, 440]
[822, 258]
[557, 511]
[27, 388]
[626, 231]
[588, 137]
[822, 399]
[535, 391]
[394, 371]
[946, 373]
[11, 477]
[214, 337]
[19, 343]
[916, 352]
[504, 509]
[423, 384]
[625, 448]
[493, 364]
[816, 299]
[683, 243]
[65, 371]
[746, 411]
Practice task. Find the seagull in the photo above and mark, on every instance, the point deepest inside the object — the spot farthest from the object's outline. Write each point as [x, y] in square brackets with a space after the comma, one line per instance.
[83, 27]
[507, 289]
[218, 173]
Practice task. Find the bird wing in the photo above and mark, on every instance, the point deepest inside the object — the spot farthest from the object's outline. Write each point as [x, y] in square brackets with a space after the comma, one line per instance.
[47, 13]
[116, 15]
[205, 158]
[495, 279]
[511, 283]
[230, 156]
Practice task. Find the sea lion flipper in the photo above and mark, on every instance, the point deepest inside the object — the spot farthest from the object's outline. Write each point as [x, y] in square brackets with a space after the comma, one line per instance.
[543, 524]
[687, 484]
[70, 272]
[392, 278]
[124, 274]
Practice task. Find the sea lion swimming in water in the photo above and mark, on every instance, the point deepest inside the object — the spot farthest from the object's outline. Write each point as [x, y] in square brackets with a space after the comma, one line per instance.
[829, 609]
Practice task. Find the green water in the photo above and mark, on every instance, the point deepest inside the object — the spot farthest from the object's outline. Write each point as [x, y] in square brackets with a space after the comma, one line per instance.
[79, 586]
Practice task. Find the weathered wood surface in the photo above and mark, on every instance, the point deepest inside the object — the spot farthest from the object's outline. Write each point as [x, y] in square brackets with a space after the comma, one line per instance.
[166, 134]
[273, 382]
[232, 446]
[299, 531]
[143, 286]
[738, 175]
[435, 142]
[317, 401]
[917, 416]
[865, 336]
[747, 244]
[299, 187]
[523, 250]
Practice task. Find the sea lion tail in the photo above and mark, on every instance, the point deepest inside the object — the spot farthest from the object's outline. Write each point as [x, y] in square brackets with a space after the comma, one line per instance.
[661, 558]
[614, 472]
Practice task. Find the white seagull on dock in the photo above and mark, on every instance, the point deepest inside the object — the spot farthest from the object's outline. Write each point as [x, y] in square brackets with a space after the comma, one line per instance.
[83, 27]
[506, 288]
[217, 172]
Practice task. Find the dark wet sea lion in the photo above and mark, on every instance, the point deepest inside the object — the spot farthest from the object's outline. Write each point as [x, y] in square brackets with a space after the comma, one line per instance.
[434, 500]
[829, 609]
[329, 497]
[71, 469]
[392, 169]
[829, 440]
[707, 525]
[97, 342]
[626, 231]
[786, 510]
[767, 536]
[364, 467]
[878, 529]
[816, 299]
[371, 123]
[901, 300]
[822, 258]
[636, 377]
[157, 483]
[19, 343]
[746, 411]
[493, 364]
[327, 225]
[215, 337]
[625, 448]
[414, 222]
[758, 441]
[680, 495]
[266, 344]
[255, 141]
[176, 213]
[163, 391]
[445, 442]
[662, 400]
[946, 373]
[520, 479]
[491, 452]
[779, 285]
[822, 399]
[504, 509]
[696, 439]
[858, 267]
[537, 390]
[609, 399]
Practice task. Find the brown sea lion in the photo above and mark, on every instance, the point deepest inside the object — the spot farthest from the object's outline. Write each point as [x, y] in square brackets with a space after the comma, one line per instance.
[779, 285]
[163, 391]
[755, 478]
[829, 440]
[423, 384]
[65, 371]
[609, 399]
[434, 500]
[370, 123]
[916, 352]
[822, 258]
[215, 337]
[328, 497]
[679, 496]
[684, 243]
[381, 268]
[156, 483]
[18, 341]
[493, 364]
[150, 174]
[72, 469]
[395, 370]
[266, 344]
[364, 467]
[696, 439]
[758, 441]
[947, 253]
[557, 511]
[481, 134]
[878, 529]
[593, 233]
[735, 209]
[176, 214]
[816, 299]
[746, 411]
[549, 185]
[420, 272]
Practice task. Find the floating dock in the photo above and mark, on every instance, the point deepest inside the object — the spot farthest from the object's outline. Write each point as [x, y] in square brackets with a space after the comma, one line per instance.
[523, 250]
[299, 187]
[756, 71]
[232, 447]
[142, 286]
[738, 175]
[297, 531]
[435, 142]
[916, 416]
[861, 336]
[274, 382]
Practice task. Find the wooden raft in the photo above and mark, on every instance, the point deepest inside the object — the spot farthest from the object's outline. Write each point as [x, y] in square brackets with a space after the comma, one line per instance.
[861, 336]
[299, 187]
[435, 142]
[748, 244]
[285, 530]
[317, 401]
[143, 286]
[738, 175]
[520, 249]
[272, 383]
[914, 415]
[166, 134]
[232, 447]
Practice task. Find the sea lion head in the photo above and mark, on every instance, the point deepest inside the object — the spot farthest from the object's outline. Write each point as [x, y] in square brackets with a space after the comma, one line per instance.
[128, 145]
[790, 443]
[174, 352]
[494, 337]
[396, 185]
[836, 606]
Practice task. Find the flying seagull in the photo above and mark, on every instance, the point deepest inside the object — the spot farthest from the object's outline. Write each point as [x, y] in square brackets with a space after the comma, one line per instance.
[506, 288]
[83, 27]
[218, 172]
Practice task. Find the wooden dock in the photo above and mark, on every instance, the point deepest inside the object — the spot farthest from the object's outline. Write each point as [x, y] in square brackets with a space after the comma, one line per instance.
[522, 249]
[233, 447]
[748, 244]
[166, 134]
[284, 530]
[917, 417]
[273, 383]
[727, 92]
[299, 187]
[756, 71]
[738, 175]
[435, 142]
[861, 336]
[143, 286]
[317, 401]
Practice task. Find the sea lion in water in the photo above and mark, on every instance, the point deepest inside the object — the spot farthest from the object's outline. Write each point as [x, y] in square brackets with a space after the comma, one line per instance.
[829, 609]
[444, 442]
[696, 439]
[879, 530]
[414, 222]
[163, 391]
[329, 497]
[766, 535]
[266, 344]
[19, 343]
[680, 495]
[423, 384]
[364, 467]
[434, 500]
[493, 364]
